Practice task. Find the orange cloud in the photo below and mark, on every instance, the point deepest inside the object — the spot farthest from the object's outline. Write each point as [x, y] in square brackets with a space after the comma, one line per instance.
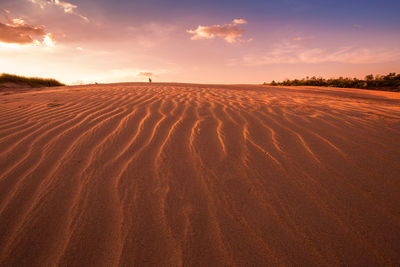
[145, 74]
[229, 32]
[19, 32]
[16, 31]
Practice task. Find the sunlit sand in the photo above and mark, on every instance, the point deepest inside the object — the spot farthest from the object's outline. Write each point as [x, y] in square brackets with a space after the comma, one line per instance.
[185, 174]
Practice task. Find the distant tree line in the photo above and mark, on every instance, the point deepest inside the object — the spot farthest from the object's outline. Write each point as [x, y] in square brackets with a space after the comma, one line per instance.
[390, 82]
[32, 82]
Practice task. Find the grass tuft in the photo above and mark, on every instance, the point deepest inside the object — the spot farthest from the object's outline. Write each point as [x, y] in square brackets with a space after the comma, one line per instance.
[30, 81]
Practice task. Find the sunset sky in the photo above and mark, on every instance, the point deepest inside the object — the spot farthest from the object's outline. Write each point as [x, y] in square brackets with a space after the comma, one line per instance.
[209, 41]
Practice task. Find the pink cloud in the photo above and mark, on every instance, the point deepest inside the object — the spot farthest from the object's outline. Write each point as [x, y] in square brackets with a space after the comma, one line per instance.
[229, 32]
[239, 21]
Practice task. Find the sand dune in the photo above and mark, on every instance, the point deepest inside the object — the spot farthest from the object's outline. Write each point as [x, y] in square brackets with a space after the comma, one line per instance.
[184, 174]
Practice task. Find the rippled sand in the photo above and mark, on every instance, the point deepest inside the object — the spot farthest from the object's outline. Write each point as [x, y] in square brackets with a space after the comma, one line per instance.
[183, 174]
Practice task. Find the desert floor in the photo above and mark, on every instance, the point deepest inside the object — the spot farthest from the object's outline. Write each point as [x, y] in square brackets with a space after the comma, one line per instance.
[185, 174]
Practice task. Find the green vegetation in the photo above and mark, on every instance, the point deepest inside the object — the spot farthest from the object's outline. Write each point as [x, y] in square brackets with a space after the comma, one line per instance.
[32, 82]
[390, 82]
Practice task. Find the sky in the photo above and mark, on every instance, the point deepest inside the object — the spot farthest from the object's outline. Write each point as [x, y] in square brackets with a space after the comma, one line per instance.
[208, 41]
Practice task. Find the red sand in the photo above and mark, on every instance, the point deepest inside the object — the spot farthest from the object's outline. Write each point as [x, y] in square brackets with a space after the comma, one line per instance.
[175, 174]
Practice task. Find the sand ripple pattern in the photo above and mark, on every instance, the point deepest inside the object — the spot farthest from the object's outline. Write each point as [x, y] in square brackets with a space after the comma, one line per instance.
[199, 175]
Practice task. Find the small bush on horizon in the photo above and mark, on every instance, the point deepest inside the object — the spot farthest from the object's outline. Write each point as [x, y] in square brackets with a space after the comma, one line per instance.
[390, 82]
[31, 81]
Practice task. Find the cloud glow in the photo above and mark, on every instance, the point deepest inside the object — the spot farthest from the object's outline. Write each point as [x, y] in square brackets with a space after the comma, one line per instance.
[48, 40]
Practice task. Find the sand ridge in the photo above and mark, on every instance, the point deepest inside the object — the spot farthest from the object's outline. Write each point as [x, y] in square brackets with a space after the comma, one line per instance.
[190, 174]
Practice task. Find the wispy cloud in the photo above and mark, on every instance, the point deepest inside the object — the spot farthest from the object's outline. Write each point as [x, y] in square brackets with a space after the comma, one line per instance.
[17, 31]
[145, 74]
[66, 6]
[4, 13]
[302, 38]
[288, 53]
[149, 35]
[229, 32]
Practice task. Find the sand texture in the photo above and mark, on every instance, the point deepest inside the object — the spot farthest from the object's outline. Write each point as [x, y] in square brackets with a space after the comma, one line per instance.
[199, 175]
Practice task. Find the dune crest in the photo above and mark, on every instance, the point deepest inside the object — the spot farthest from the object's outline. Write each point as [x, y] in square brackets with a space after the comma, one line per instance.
[188, 174]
